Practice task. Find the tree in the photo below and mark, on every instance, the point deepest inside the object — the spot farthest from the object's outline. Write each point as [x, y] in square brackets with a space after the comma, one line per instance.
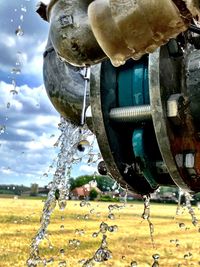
[34, 190]
[104, 183]
[93, 194]
[80, 181]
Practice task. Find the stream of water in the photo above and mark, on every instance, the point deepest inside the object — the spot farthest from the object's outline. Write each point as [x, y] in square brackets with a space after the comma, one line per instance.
[73, 146]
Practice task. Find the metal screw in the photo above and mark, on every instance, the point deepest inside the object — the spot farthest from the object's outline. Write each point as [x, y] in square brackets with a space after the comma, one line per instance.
[131, 114]
[175, 110]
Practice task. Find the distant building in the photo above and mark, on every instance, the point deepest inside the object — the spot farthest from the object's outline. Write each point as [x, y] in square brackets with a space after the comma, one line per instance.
[83, 192]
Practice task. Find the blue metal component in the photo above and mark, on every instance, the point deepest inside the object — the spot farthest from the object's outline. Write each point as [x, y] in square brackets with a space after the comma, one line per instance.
[133, 90]
[133, 87]
[141, 157]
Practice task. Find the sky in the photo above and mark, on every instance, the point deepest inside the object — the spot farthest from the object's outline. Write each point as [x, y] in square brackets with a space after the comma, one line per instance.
[28, 121]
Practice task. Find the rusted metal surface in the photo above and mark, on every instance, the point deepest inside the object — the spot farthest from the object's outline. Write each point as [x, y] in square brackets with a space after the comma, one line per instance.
[70, 33]
[179, 144]
[64, 84]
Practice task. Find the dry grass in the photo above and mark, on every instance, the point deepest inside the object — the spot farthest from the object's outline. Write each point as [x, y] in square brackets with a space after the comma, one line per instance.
[19, 221]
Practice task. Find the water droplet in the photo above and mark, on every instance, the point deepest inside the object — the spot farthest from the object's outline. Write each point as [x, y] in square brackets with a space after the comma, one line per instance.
[133, 264]
[86, 216]
[88, 263]
[111, 216]
[23, 9]
[79, 232]
[2, 129]
[62, 204]
[62, 251]
[49, 261]
[62, 264]
[123, 257]
[19, 31]
[83, 203]
[115, 228]
[13, 92]
[62, 226]
[21, 17]
[182, 225]
[95, 234]
[188, 256]
[74, 242]
[82, 148]
[103, 227]
[52, 205]
[156, 256]
[102, 168]
[8, 105]
[49, 186]
[92, 211]
[16, 71]
[188, 199]
[102, 255]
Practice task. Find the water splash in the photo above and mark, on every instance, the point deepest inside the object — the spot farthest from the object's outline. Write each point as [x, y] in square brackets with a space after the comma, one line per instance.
[19, 31]
[188, 199]
[146, 216]
[102, 254]
[179, 207]
[156, 258]
[188, 205]
[59, 191]
[133, 264]
[2, 129]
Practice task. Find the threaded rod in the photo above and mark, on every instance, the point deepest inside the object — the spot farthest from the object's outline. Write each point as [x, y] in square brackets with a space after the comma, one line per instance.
[131, 114]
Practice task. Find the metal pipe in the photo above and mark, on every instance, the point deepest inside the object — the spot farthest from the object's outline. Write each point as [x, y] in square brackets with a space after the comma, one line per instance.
[131, 114]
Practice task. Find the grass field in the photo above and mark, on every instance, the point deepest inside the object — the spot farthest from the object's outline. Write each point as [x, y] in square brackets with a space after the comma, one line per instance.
[176, 239]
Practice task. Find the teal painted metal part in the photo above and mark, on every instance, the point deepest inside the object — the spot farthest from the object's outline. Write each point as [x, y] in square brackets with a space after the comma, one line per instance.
[133, 90]
[142, 158]
[133, 85]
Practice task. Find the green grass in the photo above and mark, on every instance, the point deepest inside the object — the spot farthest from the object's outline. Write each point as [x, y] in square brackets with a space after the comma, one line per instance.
[19, 221]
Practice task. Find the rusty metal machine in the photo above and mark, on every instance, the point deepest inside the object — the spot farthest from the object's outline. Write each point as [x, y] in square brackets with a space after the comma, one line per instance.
[144, 84]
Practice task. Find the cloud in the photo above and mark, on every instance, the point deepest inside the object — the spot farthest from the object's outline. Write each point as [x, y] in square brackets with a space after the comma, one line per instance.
[31, 44]
[88, 169]
[28, 121]
[30, 133]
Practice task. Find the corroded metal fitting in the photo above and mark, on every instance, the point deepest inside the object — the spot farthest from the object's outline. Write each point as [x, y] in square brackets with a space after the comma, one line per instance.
[126, 29]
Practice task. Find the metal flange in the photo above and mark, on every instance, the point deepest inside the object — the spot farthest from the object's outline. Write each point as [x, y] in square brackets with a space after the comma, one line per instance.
[175, 128]
[123, 151]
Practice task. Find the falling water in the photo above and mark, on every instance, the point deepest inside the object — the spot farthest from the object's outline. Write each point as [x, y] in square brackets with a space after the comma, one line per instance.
[188, 198]
[146, 216]
[188, 205]
[178, 209]
[102, 253]
[59, 190]
[156, 258]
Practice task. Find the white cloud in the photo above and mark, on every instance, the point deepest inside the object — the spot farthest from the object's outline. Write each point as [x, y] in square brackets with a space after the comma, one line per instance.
[87, 169]
[43, 142]
[7, 40]
[6, 170]
[27, 144]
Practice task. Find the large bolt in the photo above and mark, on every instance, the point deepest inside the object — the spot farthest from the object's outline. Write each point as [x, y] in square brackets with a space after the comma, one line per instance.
[175, 108]
[189, 160]
[189, 163]
[131, 114]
